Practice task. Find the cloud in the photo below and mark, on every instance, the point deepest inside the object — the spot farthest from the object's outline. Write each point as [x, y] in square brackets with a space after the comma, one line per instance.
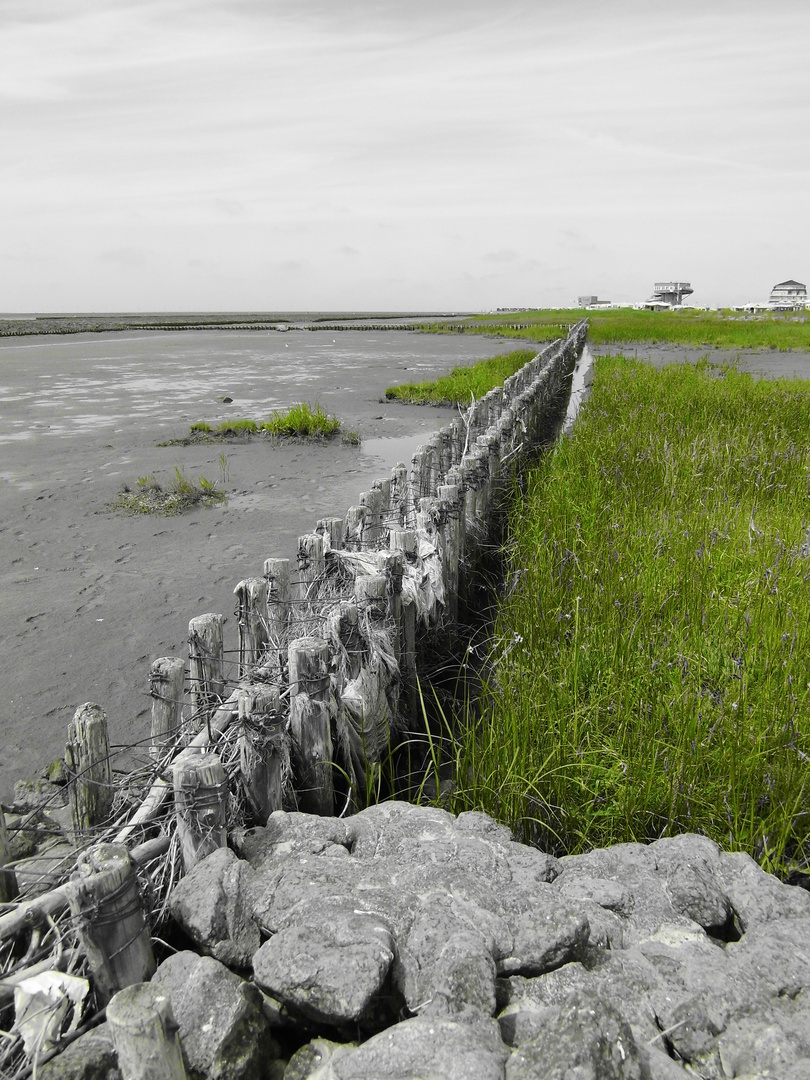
[126, 256]
[503, 255]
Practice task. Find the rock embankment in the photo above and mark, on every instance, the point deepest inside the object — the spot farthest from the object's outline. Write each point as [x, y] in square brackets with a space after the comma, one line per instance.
[405, 942]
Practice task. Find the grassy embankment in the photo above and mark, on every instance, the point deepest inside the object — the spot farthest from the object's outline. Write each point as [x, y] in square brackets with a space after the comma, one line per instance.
[724, 329]
[462, 382]
[650, 668]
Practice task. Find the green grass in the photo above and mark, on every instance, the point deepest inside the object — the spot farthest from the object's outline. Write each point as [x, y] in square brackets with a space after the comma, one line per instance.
[299, 421]
[149, 496]
[650, 674]
[725, 329]
[302, 422]
[463, 382]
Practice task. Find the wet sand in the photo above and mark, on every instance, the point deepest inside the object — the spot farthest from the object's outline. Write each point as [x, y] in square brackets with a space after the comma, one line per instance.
[89, 599]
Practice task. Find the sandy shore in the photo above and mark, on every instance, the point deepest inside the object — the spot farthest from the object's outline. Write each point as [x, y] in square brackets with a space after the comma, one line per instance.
[89, 599]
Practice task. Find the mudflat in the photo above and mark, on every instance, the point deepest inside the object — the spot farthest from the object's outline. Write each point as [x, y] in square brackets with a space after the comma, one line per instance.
[90, 598]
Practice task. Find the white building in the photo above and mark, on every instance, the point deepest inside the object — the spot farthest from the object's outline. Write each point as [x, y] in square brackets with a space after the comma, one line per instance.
[788, 296]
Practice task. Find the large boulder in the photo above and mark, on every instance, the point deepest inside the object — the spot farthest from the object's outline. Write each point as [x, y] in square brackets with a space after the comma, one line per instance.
[223, 1031]
[213, 905]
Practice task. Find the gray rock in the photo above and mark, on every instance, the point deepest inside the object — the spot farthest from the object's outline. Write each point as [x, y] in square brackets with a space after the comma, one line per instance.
[427, 1047]
[91, 1057]
[548, 930]
[223, 1031]
[331, 971]
[316, 1060]
[759, 897]
[214, 904]
[584, 1037]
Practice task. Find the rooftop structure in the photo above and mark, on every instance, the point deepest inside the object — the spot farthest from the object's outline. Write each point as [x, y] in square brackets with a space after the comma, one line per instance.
[788, 296]
[670, 292]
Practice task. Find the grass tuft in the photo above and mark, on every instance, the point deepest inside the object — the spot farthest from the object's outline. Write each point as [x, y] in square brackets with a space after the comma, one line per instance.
[149, 496]
[302, 422]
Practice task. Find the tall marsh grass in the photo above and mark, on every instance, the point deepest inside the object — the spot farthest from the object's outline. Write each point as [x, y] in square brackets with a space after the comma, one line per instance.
[651, 671]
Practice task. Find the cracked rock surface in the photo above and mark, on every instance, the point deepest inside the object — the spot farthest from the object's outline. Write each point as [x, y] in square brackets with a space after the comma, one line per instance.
[405, 942]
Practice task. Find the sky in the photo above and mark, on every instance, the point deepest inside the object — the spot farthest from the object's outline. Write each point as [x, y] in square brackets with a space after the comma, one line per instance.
[252, 155]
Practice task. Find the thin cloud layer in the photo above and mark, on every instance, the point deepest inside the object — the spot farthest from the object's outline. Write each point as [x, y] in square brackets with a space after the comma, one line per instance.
[452, 150]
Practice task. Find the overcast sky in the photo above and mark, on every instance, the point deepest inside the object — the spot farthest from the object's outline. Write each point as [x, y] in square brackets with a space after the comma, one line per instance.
[372, 154]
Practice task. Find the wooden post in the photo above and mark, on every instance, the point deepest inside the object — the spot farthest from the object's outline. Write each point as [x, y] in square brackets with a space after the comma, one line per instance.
[251, 611]
[87, 756]
[399, 494]
[205, 665]
[260, 750]
[106, 904]
[8, 879]
[355, 527]
[201, 804]
[311, 564]
[166, 681]
[331, 529]
[310, 725]
[404, 541]
[145, 1034]
[370, 592]
[419, 476]
[372, 532]
[449, 497]
[383, 485]
[277, 576]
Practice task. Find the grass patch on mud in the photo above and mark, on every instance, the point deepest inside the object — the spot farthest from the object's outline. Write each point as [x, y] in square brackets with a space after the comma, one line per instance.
[181, 494]
[298, 422]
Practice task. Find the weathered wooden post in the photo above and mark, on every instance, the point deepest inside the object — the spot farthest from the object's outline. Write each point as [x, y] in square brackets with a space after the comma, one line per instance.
[311, 564]
[201, 804]
[383, 485]
[251, 612]
[205, 665]
[166, 681]
[145, 1034]
[355, 527]
[331, 530]
[87, 756]
[404, 541]
[8, 879]
[372, 532]
[260, 748]
[449, 500]
[399, 495]
[310, 725]
[277, 576]
[106, 904]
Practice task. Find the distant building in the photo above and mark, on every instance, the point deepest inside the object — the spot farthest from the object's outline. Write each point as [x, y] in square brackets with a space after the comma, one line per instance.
[788, 296]
[592, 302]
[672, 293]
